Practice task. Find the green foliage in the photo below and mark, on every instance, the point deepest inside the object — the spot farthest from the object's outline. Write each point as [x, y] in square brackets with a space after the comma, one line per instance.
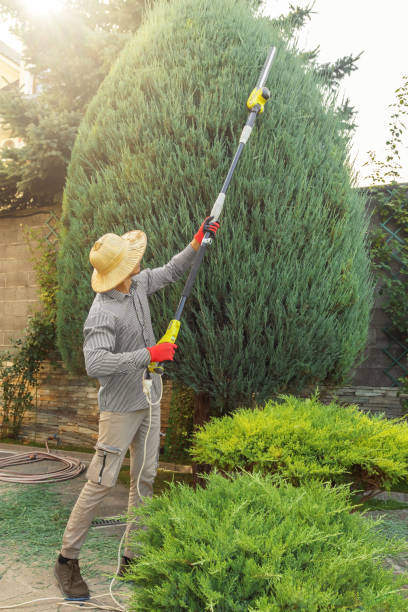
[284, 297]
[303, 439]
[19, 372]
[19, 369]
[390, 256]
[44, 261]
[180, 424]
[69, 54]
[244, 544]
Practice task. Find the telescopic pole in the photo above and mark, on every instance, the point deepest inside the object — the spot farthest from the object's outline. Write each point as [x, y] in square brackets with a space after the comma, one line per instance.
[255, 104]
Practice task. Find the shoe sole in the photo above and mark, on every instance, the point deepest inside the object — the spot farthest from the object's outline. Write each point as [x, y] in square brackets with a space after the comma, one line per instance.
[67, 595]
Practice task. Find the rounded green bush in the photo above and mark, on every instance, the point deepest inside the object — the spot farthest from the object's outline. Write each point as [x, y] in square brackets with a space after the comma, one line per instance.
[284, 295]
[303, 439]
[242, 544]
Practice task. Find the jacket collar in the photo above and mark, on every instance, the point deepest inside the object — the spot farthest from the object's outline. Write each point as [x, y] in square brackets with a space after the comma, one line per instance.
[114, 294]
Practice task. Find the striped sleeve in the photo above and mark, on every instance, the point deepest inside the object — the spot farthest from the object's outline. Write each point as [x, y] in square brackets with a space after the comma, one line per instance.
[99, 344]
[169, 273]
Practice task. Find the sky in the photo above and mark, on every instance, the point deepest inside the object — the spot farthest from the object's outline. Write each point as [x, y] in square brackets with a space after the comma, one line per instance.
[343, 27]
[379, 29]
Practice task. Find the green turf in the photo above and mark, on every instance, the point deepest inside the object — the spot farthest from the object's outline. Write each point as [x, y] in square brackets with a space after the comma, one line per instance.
[394, 527]
[32, 521]
[380, 504]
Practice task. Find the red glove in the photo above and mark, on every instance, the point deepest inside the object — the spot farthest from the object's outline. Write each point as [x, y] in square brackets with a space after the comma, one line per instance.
[207, 226]
[162, 352]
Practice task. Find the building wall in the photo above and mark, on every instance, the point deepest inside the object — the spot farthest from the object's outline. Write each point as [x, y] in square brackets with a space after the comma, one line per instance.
[9, 71]
[18, 285]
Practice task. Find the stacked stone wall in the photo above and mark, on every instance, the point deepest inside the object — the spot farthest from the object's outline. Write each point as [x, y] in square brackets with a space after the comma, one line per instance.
[375, 400]
[66, 408]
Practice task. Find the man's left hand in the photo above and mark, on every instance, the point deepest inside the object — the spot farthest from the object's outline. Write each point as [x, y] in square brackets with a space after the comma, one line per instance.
[208, 225]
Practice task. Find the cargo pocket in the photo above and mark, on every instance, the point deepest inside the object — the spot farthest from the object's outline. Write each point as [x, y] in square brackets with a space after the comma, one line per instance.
[105, 465]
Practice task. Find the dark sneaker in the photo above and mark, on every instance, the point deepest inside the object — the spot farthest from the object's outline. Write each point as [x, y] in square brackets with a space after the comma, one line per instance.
[70, 580]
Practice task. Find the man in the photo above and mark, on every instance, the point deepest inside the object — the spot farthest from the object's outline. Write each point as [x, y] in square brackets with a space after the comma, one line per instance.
[119, 344]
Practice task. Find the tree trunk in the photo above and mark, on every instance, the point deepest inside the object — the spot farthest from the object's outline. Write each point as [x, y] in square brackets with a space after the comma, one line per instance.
[202, 413]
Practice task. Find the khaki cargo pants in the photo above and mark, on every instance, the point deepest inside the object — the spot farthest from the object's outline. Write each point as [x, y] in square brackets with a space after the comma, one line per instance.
[117, 433]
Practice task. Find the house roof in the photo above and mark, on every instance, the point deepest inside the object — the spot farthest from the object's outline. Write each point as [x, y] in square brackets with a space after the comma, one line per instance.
[10, 53]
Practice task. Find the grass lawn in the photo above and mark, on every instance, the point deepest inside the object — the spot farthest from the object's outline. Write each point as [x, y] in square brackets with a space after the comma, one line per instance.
[33, 519]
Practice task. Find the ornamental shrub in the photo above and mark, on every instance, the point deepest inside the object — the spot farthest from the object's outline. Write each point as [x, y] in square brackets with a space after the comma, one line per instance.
[303, 439]
[245, 545]
[284, 296]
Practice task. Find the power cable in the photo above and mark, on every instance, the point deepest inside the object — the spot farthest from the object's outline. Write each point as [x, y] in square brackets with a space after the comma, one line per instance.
[147, 386]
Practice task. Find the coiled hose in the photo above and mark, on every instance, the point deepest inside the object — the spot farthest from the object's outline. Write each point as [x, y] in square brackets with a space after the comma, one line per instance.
[71, 467]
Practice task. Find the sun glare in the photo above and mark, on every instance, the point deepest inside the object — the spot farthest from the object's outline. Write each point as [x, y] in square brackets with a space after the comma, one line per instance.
[43, 7]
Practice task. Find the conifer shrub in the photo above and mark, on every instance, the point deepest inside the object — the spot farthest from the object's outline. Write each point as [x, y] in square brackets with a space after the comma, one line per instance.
[284, 295]
[243, 544]
[303, 439]
[180, 425]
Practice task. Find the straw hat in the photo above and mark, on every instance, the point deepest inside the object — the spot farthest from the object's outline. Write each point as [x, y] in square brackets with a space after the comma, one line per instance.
[115, 257]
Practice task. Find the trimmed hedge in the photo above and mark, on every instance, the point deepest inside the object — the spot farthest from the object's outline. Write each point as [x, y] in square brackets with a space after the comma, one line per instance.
[303, 438]
[246, 545]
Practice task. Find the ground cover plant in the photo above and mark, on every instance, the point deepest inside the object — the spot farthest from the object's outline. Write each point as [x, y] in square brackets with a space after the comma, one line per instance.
[152, 153]
[244, 544]
[303, 439]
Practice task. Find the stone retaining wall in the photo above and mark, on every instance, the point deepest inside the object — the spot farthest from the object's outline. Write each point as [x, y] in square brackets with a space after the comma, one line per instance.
[67, 407]
[369, 399]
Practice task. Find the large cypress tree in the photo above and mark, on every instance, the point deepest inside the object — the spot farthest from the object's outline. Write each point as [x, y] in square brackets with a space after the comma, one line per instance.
[283, 298]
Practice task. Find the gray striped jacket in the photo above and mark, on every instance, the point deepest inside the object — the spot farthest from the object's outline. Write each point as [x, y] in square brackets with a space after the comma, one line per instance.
[117, 331]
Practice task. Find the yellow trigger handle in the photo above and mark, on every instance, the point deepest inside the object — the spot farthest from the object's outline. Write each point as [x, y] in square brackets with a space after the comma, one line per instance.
[170, 336]
[258, 96]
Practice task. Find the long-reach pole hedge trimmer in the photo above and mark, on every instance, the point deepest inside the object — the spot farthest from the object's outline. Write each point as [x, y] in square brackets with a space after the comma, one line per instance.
[255, 103]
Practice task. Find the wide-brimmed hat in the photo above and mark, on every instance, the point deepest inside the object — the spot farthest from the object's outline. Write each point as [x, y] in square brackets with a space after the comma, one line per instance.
[114, 258]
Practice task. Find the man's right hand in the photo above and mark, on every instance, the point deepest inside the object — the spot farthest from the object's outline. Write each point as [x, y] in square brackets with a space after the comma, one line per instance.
[162, 352]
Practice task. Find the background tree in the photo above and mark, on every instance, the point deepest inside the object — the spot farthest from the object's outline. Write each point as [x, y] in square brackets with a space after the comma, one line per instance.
[69, 54]
[284, 297]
